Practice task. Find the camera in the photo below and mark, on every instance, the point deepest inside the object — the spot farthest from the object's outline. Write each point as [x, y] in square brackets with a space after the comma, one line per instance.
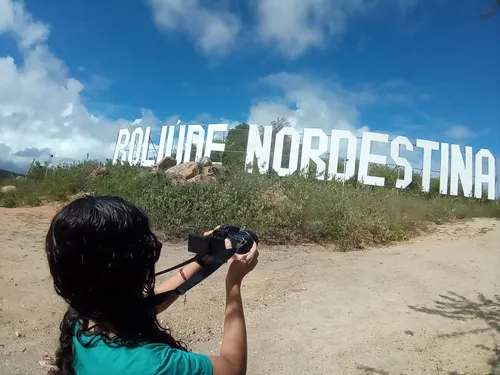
[214, 246]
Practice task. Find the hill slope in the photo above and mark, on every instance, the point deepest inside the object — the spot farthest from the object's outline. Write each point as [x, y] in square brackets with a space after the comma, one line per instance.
[7, 174]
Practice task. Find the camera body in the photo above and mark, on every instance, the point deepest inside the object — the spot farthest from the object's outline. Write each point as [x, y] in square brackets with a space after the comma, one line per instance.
[214, 246]
[241, 240]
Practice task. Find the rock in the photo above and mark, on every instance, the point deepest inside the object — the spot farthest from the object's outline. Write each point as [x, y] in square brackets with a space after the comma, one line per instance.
[99, 172]
[49, 359]
[197, 178]
[221, 170]
[9, 189]
[201, 178]
[166, 163]
[45, 364]
[20, 178]
[205, 161]
[184, 171]
[209, 171]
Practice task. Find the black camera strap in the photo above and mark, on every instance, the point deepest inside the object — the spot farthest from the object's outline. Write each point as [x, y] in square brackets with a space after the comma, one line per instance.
[206, 270]
[193, 259]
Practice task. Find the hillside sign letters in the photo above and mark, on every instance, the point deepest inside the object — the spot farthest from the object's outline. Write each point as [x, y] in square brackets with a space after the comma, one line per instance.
[457, 166]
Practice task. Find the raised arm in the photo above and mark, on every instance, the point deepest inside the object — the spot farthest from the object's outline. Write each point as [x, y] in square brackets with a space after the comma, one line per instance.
[232, 359]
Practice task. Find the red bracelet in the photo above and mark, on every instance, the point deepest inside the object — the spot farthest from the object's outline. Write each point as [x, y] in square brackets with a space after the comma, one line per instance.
[181, 271]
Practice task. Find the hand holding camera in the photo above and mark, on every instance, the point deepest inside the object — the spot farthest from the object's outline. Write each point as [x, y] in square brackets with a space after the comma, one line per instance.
[246, 256]
[241, 265]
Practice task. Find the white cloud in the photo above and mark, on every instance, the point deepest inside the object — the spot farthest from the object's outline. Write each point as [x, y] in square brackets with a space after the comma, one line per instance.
[290, 27]
[326, 103]
[308, 102]
[214, 31]
[460, 132]
[294, 26]
[97, 82]
[14, 20]
[41, 110]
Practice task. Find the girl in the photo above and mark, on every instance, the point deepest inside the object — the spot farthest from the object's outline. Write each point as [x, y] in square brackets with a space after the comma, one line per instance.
[102, 255]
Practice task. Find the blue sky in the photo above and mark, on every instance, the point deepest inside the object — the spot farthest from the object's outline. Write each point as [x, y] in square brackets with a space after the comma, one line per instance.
[419, 68]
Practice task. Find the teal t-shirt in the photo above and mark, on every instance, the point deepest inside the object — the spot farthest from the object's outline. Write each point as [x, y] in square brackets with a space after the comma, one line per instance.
[149, 359]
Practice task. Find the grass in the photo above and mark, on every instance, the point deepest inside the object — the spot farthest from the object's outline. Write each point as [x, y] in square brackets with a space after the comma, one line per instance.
[281, 209]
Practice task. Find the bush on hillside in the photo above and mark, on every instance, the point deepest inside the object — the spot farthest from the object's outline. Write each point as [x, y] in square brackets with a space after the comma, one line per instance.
[281, 209]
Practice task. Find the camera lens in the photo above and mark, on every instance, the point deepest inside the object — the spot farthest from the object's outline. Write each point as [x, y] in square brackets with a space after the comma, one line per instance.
[249, 237]
[253, 236]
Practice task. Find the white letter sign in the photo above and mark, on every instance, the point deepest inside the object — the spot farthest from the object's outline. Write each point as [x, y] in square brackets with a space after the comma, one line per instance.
[454, 168]
[395, 147]
[309, 153]
[367, 157]
[257, 149]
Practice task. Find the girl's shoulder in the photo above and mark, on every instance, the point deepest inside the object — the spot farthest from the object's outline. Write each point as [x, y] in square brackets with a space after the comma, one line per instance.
[93, 353]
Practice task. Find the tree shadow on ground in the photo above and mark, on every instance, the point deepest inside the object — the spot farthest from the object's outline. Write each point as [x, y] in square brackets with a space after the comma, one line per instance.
[372, 371]
[457, 307]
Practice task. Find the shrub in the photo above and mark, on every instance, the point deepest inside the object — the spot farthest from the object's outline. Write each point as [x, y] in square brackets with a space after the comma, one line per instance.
[281, 209]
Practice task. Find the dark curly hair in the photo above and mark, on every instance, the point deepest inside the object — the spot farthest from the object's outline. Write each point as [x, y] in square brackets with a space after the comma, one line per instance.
[102, 254]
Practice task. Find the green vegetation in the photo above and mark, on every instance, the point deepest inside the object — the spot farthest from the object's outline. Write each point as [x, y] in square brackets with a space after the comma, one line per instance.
[6, 174]
[296, 208]
[281, 209]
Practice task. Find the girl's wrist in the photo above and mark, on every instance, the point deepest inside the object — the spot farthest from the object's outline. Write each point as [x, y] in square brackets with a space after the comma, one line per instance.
[232, 282]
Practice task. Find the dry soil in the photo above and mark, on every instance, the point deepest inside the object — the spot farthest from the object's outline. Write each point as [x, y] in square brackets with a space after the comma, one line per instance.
[429, 306]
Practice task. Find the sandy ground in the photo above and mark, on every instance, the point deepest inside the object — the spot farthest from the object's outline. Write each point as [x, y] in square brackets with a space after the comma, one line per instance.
[429, 306]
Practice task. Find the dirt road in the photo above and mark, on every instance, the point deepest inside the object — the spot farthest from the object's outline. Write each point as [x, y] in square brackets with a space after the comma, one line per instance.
[431, 306]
